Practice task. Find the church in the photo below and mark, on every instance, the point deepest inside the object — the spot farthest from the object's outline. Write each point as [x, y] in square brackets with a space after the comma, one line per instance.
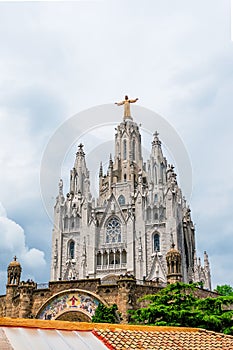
[139, 214]
[132, 240]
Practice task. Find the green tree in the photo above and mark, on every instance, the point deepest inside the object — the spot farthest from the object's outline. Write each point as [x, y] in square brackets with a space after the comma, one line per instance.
[225, 289]
[179, 305]
[105, 314]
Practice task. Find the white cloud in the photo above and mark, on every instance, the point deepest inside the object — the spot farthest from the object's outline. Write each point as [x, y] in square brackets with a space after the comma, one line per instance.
[33, 259]
[13, 242]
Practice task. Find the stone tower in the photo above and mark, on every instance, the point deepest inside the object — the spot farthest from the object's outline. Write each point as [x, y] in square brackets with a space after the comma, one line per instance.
[128, 227]
[13, 273]
[13, 280]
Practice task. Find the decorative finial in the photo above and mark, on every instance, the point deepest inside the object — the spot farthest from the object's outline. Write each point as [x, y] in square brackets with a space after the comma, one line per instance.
[110, 161]
[126, 103]
[15, 258]
[156, 140]
[101, 170]
[60, 186]
[80, 150]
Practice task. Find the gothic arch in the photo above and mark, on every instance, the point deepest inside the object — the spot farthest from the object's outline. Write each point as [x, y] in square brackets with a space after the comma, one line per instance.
[113, 228]
[134, 149]
[124, 149]
[71, 249]
[69, 301]
[121, 200]
[74, 316]
[156, 241]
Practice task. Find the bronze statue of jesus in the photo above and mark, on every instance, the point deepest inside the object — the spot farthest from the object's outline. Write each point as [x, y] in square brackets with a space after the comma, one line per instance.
[126, 104]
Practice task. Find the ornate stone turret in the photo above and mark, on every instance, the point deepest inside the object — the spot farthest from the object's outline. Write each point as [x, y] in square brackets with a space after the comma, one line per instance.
[13, 280]
[14, 273]
[79, 175]
[173, 258]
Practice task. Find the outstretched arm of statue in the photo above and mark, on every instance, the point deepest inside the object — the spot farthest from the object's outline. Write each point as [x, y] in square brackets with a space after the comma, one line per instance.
[132, 101]
[119, 103]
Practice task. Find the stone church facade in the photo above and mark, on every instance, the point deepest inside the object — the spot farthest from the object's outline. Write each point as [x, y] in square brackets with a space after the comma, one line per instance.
[139, 213]
[132, 240]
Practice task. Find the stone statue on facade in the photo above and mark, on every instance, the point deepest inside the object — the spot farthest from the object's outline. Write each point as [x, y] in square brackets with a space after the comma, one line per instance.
[126, 104]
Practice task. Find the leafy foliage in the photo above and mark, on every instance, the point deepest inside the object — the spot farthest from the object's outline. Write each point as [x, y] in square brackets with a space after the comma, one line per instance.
[104, 314]
[225, 289]
[178, 305]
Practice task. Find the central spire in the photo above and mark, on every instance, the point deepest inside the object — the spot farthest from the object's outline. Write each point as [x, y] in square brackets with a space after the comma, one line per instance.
[126, 103]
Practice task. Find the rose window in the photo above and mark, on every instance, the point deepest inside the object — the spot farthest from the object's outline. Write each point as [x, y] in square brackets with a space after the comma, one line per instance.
[113, 233]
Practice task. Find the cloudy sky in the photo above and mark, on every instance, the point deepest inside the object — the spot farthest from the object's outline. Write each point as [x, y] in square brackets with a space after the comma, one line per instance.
[58, 59]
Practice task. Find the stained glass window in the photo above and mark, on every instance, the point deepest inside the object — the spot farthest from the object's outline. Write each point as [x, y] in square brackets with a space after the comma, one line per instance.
[156, 243]
[113, 232]
[121, 200]
[71, 250]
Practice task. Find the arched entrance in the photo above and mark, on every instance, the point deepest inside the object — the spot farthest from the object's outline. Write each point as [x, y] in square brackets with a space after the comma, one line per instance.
[70, 305]
[74, 316]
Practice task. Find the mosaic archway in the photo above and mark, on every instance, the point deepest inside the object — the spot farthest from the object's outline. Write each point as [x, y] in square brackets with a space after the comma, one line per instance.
[74, 316]
[71, 304]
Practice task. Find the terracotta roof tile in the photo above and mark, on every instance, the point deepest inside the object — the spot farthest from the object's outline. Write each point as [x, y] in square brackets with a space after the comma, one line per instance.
[173, 340]
[117, 337]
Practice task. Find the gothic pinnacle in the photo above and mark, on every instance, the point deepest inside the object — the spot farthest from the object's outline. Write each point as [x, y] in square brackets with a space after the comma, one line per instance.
[101, 170]
[110, 160]
[80, 150]
[156, 140]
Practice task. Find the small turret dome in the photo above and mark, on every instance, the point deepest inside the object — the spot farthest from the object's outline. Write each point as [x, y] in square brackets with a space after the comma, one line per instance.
[14, 272]
[173, 251]
[14, 262]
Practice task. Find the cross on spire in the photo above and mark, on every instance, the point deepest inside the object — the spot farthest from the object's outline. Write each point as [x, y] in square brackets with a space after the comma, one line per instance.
[156, 140]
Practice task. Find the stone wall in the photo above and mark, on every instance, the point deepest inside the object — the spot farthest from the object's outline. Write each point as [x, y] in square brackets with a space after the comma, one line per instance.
[26, 299]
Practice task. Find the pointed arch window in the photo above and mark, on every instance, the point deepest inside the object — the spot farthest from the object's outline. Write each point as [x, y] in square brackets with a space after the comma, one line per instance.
[111, 258]
[124, 149]
[148, 214]
[156, 242]
[71, 249]
[117, 257]
[99, 258]
[155, 174]
[113, 231]
[124, 257]
[121, 200]
[134, 149]
[105, 258]
[156, 216]
[162, 172]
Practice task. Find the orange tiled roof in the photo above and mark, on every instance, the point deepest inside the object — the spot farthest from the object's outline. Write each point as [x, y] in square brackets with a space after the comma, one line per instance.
[164, 340]
[124, 336]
